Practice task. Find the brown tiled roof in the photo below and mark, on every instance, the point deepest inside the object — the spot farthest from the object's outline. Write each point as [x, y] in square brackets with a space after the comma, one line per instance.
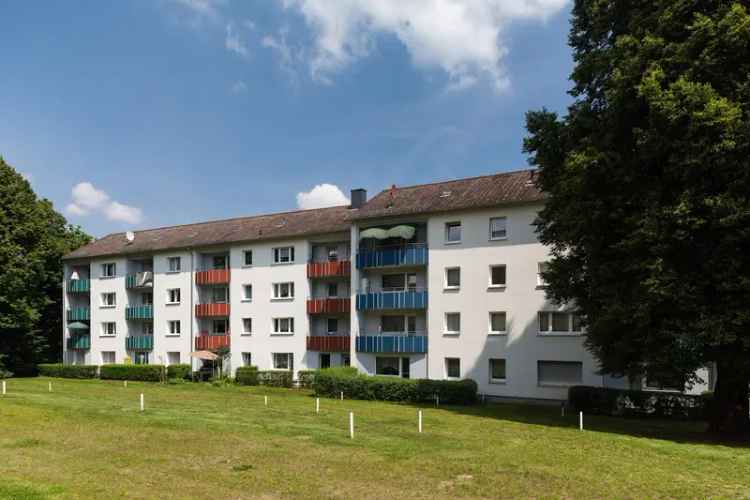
[474, 192]
[260, 227]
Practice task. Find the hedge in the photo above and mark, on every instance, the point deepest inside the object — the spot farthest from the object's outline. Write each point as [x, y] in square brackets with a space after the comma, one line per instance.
[178, 371]
[628, 403]
[275, 378]
[67, 371]
[246, 375]
[306, 378]
[332, 382]
[144, 373]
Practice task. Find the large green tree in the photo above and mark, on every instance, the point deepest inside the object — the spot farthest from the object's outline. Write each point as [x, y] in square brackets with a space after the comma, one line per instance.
[33, 238]
[648, 176]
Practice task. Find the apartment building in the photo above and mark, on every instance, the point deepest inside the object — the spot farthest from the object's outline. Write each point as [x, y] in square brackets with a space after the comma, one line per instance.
[436, 281]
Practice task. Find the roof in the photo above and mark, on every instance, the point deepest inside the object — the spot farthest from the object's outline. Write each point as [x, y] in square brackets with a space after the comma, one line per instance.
[259, 227]
[471, 193]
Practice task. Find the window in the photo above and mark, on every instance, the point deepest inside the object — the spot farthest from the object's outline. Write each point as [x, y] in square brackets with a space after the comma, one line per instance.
[109, 328]
[559, 322]
[346, 359]
[663, 382]
[498, 228]
[452, 277]
[497, 276]
[174, 327]
[497, 322]
[173, 296]
[392, 324]
[247, 359]
[173, 358]
[220, 327]
[283, 325]
[332, 325]
[109, 270]
[497, 371]
[140, 358]
[541, 269]
[453, 232]
[219, 261]
[398, 282]
[283, 255]
[174, 264]
[333, 254]
[283, 360]
[452, 323]
[387, 366]
[575, 322]
[559, 372]
[147, 299]
[247, 292]
[247, 326]
[219, 295]
[109, 299]
[452, 368]
[283, 290]
[333, 290]
[148, 328]
[247, 258]
[325, 360]
[108, 357]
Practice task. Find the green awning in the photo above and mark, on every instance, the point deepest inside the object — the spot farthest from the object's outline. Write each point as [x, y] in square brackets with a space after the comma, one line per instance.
[374, 232]
[77, 325]
[404, 232]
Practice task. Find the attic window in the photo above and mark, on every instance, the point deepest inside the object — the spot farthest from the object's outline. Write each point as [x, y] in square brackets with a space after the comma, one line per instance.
[445, 194]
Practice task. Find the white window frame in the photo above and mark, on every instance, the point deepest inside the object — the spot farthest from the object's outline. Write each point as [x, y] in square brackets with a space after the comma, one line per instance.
[328, 290]
[445, 364]
[105, 270]
[148, 328]
[446, 331]
[170, 298]
[498, 238]
[277, 287]
[245, 288]
[557, 384]
[104, 304]
[289, 360]
[492, 331]
[247, 359]
[550, 327]
[245, 253]
[447, 286]
[174, 328]
[494, 285]
[245, 322]
[107, 362]
[105, 327]
[226, 295]
[172, 268]
[398, 362]
[448, 226]
[172, 354]
[494, 380]
[277, 322]
[328, 329]
[277, 255]
[541, 267]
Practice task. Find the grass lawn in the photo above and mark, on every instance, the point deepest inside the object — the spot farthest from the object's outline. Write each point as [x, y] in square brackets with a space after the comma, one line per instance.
[87, 439]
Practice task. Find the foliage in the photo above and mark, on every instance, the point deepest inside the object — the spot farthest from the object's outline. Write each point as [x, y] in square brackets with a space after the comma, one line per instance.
[144, 373]
[68, 371]
[275, 378]
[181, 371]
[306, 378]
[33, 238]
[624, 403]
[247, 375]
[648, 184]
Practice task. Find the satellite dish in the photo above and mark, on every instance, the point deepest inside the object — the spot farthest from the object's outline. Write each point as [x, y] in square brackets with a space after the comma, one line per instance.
[130, 236]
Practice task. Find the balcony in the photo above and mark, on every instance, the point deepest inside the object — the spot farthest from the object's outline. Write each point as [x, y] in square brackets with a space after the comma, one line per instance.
[79, 314]
[332, 269]
[328, 306]
[79, 342]
[212, 310]
[144, 279]
[329, 343]
[139, 312]
[208, 342]
[414, 254]
[139, 343]
[387, 300]
[79, 286]
[392, 343]
[212, 277]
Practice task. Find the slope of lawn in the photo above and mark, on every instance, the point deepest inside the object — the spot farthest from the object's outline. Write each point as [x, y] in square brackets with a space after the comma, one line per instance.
[88, 439]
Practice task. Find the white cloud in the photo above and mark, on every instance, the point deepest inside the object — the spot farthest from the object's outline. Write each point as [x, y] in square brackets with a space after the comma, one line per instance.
[287, 56]
[205, 8]
[87, 200]
[322, 195]
[463, 38]
[233, 42]
[238, 87]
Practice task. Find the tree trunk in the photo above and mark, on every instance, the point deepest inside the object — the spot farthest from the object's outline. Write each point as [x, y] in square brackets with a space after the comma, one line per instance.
[729, 413]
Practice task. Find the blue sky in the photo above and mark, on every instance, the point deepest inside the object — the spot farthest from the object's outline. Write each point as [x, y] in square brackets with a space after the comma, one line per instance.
[157, 112]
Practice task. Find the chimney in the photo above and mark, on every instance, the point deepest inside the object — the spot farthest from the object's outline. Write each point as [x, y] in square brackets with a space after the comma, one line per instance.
[359, 197]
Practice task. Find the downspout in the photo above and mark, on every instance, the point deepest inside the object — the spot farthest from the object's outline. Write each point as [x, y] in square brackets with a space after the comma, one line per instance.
[192, 309]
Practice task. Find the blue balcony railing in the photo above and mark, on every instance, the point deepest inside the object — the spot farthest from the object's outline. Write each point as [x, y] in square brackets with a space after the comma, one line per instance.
[391, 343]
[375, 301]
[414, 254]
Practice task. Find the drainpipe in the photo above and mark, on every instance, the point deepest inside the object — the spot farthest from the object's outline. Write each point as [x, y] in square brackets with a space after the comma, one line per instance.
[192, 309]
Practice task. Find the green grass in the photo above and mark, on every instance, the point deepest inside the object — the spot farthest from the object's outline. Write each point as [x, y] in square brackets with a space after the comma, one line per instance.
[87, 439]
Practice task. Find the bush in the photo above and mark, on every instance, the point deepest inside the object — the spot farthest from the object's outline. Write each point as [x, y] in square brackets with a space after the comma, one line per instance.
[67, 371]
[306, 378]
[332, 382]
[178, 371]
[627, 403]
[143, 373]
[246, 375]
[275, 378]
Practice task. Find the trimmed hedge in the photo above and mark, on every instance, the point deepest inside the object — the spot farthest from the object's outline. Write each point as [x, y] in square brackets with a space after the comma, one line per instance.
[178, 371]
[143, 373]
[627, 403]
[67, 371]
[246, 375]
[331, 382]
[275, 378]
[306, 378]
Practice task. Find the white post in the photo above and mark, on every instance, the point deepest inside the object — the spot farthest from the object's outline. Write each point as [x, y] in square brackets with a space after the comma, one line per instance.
[562, 410]
[125, 384]
[3, 387]
[342, 395]
[420, 421]
[142, 402]
[265, 400]
[317, 405]
[50, 387]
[437, 400]
[580, 420]
[351, 424]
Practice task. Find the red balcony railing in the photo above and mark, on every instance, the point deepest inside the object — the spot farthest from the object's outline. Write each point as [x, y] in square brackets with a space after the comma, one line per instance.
[211, 310]
[212, 277]
[329, 343]
[328, 306]
[207, 342]
[329, 269]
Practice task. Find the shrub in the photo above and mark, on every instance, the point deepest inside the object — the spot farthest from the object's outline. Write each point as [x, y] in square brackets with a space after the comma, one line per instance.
[306, 378]
[246, 375]
[628, 403]
[275, 378]
[143, 373]
[178, 371]
[67, 371]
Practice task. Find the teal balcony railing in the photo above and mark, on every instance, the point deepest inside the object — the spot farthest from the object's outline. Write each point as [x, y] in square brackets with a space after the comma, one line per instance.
[139, 312]
[391, 343]
[79, 342]
[139, 343]
[383, 300]
[79, 314]
[79, 286]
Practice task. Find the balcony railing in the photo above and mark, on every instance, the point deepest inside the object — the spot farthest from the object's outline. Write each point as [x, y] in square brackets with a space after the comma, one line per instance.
[212, 277]
[143, 279]
[139, 343]
[209, 342]
[414, 254]
[79, 286]
[382, 300]
[328, 306]
[79, 314]
[139, 312]
[211, 310]
[332, 269]
[329, 343]
[79, 342]
[391, 343]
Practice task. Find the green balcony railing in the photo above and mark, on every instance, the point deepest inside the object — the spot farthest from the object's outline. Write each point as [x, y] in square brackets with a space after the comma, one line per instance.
[139, 343]
[79, 342]
[139, 312]
[79, 314]
[79, 286]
